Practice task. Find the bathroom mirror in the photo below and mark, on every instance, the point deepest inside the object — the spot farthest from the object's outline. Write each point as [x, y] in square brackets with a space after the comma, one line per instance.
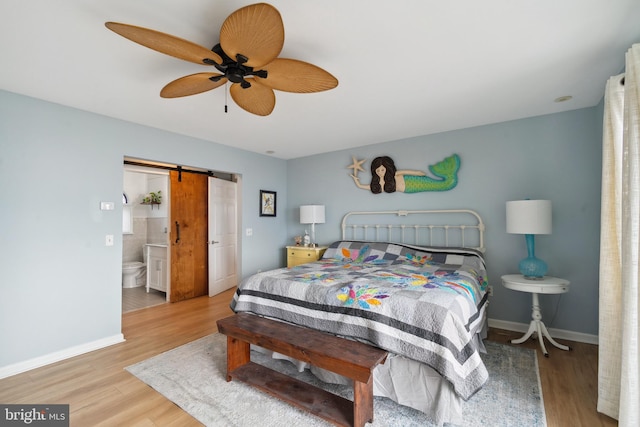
[127, 216]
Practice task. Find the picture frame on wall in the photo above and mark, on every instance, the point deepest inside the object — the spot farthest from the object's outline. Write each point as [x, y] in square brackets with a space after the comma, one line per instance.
[267, 203]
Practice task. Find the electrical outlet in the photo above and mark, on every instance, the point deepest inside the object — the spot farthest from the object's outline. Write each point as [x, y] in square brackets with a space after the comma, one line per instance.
[249, 232]
[490, 290]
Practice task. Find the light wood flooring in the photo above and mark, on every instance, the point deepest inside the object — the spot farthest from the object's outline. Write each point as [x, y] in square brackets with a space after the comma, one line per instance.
[101, 393]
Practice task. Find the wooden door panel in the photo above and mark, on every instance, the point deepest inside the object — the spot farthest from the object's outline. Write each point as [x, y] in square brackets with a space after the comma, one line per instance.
[189, 252]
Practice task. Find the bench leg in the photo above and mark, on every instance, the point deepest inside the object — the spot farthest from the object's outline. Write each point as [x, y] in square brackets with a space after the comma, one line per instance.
[362, 402]
[238, 354]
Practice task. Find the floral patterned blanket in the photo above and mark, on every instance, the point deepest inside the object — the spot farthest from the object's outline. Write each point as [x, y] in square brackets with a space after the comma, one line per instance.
[423, 303]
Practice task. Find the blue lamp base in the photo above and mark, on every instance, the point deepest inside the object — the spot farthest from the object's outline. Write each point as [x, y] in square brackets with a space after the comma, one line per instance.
[531, 267]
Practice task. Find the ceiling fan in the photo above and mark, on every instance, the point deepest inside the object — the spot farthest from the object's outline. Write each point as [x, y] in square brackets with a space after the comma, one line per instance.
[251, 39]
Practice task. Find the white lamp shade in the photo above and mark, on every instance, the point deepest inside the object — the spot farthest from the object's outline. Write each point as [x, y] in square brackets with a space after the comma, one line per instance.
[529, 217]
[312, 214]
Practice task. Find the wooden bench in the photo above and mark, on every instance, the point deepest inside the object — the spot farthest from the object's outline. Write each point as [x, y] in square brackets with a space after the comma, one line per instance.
[351, 359]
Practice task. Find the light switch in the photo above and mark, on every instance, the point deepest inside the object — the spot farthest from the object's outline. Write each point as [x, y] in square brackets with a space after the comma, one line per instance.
[249, 232]
[107, 206]
[108, 240]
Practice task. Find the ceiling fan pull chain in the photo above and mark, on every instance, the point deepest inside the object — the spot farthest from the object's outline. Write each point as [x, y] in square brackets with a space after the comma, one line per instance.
[226, 110]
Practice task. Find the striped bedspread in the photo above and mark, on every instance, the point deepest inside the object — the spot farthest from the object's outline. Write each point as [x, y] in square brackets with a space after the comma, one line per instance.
[423, 303]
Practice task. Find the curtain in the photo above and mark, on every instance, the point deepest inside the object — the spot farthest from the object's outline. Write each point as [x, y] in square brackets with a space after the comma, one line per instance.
[619, 323]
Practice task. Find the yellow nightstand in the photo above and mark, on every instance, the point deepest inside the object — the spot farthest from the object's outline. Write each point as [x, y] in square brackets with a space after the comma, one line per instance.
[297, 255]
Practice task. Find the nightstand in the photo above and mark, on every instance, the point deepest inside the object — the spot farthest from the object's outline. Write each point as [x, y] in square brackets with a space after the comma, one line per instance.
[297, 255]
[546, 285]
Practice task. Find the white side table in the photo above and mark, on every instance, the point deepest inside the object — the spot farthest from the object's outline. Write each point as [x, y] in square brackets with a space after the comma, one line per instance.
[547, 285]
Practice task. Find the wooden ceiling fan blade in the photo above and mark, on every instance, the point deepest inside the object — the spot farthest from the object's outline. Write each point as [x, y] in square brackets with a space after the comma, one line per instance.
[256, 32]
[192, 85]
[257, 99]
[165, 43]
[291, 75]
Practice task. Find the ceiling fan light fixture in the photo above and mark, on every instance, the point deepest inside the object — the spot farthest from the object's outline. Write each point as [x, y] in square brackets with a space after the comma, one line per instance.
[254, 36]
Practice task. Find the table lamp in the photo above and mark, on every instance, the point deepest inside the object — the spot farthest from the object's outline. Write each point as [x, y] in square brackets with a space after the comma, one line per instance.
[312, 214]
[530, 217]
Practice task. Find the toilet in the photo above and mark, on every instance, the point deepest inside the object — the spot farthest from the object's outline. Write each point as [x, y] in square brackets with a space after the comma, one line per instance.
[131, 273]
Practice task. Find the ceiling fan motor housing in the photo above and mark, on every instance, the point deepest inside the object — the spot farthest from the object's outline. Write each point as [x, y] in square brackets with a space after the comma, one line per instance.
[234, 71]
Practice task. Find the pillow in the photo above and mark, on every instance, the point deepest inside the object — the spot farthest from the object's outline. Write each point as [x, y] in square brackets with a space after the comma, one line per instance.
[453, 256]
[361, 251]
[355, 251]
[350, 251]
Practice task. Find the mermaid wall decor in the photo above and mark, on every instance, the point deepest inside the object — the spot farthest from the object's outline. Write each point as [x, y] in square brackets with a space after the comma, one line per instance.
[386, 178]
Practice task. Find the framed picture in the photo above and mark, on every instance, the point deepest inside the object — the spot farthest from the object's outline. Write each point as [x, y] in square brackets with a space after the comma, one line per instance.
[267, 203]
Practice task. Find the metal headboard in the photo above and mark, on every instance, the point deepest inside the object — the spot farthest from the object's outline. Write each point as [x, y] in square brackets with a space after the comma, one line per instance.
[440, 227]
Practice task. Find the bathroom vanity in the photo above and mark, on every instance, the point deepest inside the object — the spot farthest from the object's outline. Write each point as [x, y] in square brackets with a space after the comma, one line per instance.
[157, 270]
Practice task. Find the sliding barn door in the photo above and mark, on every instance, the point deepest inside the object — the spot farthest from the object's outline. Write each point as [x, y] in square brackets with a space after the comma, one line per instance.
[223, 235]
[189, 252]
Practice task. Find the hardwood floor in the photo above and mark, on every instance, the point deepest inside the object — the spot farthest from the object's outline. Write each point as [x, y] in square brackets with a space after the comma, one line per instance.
[101, 393]
[569, 381]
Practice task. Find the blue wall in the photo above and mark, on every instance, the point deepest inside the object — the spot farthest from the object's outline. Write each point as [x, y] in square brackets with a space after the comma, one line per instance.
[60, 285]
[556, 157]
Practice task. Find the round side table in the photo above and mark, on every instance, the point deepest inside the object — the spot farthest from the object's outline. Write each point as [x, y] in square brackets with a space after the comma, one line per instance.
[546, 285]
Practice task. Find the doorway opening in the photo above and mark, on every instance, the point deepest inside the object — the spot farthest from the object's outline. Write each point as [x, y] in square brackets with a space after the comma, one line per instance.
[167, 214]
[145, 228]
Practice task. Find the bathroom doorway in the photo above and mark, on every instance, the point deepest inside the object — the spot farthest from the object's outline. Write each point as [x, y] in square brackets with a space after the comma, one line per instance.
[146, 193]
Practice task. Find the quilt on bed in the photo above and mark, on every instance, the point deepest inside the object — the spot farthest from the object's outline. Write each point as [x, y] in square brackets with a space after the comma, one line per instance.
[423, 303]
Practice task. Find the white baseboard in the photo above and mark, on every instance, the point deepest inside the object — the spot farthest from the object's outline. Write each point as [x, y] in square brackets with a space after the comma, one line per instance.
[555, 333]
[47, 359]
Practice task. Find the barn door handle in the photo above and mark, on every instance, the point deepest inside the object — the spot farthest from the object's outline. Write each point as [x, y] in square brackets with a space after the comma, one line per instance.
[177, 232]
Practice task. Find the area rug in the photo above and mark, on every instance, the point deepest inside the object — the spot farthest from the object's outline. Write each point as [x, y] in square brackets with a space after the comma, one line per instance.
[193, 377]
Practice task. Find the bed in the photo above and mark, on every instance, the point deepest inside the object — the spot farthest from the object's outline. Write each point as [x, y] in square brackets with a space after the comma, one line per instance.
[411, 282]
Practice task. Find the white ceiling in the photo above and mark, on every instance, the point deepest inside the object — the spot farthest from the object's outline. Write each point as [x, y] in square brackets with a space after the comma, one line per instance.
[405, 68]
